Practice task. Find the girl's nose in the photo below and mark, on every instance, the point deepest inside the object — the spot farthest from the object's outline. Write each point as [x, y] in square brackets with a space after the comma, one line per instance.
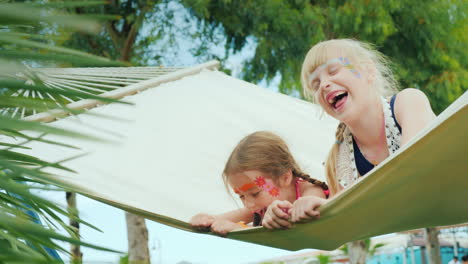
[325, 84]
[249, 204]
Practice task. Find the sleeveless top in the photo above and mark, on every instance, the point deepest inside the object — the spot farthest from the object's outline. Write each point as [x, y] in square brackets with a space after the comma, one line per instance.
[351, 163]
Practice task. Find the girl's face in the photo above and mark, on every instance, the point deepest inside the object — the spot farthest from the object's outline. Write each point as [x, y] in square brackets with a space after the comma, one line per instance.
[342, 88]
[256, 189]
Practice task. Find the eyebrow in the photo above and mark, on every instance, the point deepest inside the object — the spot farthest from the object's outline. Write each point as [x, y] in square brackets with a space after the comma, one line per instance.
[321, 67]
[245, 187]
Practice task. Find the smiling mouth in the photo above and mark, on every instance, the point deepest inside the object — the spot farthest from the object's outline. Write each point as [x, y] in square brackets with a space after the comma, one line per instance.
[337, 99]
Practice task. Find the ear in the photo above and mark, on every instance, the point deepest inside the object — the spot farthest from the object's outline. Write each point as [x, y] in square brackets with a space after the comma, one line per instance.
[286, 179]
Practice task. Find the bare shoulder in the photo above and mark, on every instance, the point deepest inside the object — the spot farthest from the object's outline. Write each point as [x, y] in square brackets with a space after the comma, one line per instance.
[413, 112]
[411, 100]
[306, 188]
[411, 95]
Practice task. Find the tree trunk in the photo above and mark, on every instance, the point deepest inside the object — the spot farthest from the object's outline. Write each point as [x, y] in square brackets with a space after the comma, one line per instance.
[432, 245]
[357, 252]
[138, 252]
[76, 255]
[413, 256]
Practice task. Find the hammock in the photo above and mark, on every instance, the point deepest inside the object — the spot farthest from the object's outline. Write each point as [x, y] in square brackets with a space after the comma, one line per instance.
[169, 149]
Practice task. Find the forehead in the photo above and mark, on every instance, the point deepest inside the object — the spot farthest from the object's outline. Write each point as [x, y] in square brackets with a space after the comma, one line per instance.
[244, 181]
[322, 54]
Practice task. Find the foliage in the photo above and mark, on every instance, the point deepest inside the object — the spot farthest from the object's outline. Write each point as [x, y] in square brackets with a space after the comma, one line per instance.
[425, 39]
[370, 249]
[123, 259]
[324, 259]
[22, 175]
[120, 36]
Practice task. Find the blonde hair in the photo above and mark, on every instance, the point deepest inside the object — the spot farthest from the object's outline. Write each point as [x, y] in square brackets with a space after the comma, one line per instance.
[360, 53]
[266, 152]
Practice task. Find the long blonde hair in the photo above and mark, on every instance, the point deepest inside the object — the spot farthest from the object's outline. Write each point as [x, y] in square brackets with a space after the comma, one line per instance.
[360, 53]
[266, 152]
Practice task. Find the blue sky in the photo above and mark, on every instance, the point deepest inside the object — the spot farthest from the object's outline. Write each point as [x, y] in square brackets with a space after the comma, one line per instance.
[167, 244]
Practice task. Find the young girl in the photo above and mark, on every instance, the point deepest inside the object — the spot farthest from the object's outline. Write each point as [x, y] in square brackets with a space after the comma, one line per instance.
[272, 187]
[353, 83]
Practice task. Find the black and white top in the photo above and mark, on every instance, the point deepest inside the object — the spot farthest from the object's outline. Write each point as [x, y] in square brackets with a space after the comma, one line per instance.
[351, 164]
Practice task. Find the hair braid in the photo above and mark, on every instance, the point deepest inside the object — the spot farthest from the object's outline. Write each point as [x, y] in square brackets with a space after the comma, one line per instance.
[330, 163]
[310, 179]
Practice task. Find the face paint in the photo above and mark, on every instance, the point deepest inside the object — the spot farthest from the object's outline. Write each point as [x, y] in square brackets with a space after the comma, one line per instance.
[245, 187]
[341, 60]
[267, 185]
[345, 62]
[264, 184]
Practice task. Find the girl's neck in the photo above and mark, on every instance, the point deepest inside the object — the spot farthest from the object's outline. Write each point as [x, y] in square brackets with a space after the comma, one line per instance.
[368, 128]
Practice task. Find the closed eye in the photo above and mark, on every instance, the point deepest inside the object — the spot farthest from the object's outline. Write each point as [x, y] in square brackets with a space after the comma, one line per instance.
[333, 69]
[315, 84]
[256, 193]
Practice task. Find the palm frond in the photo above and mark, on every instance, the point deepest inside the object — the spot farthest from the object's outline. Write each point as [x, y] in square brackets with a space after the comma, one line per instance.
[24, 91]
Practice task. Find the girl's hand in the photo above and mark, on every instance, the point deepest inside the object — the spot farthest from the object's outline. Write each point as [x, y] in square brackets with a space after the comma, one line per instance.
[202, 221]
[223, 226]
[306, 208]
[277, 215]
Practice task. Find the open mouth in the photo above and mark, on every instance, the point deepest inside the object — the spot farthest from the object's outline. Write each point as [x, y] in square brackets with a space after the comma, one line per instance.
[338, 99]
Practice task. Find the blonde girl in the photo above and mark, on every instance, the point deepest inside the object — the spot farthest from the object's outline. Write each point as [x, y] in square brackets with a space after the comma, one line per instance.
[270, 184]
[353, 83]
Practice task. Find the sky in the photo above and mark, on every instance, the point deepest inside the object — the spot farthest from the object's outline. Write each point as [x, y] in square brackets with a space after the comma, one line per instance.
[167, 244]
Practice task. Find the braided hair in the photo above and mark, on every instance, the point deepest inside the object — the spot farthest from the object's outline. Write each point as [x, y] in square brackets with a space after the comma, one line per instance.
[268, 153]
[330, 163]
[306, 177]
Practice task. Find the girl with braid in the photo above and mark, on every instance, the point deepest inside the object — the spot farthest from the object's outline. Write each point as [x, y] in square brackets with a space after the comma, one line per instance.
[272, 187]
[353, 83]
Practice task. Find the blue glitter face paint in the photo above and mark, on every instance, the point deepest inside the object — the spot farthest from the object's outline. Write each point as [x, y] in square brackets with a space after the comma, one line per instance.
[343, 61]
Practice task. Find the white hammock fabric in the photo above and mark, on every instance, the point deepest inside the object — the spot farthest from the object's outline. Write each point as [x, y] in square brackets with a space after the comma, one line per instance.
[171, 145]
[88, 80]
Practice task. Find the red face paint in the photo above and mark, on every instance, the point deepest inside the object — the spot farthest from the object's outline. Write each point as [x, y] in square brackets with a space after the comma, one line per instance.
[265, 184]
[245, 187]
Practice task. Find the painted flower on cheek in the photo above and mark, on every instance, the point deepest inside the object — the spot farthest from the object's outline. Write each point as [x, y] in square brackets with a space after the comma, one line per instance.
[260, 181]
[274, 192]
[267, 186]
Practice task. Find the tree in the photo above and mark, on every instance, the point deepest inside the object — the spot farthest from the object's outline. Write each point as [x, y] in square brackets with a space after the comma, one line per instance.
[432, 245]
[21, 176]
[425, 39]
[358, 251]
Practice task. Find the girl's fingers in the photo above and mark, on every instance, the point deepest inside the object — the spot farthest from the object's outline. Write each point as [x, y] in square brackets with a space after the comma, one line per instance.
[293, 215]
[312, 213]
[270, 221]
[276, 223]
[280, 213]
[223, 227]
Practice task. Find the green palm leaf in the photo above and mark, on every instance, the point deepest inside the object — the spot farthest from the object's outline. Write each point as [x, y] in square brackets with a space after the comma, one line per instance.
[28, 33]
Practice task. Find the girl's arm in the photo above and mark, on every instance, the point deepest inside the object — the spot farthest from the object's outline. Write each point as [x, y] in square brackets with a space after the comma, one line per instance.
[413, 112]
[306, 207]
[239, 215]
[223, 223]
